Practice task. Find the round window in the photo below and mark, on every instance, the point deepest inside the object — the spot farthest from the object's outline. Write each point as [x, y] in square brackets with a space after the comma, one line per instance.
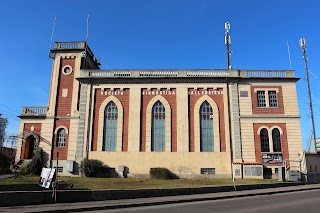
[67, 70]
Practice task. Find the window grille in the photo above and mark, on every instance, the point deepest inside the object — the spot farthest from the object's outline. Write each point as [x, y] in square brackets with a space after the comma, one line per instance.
[110, 127]
[264, 137]
[261, 98]
[206, 128]
[61, 137]
[158, 130]
[59, 169]
[208, 171]
[276, 140]
[273, 102]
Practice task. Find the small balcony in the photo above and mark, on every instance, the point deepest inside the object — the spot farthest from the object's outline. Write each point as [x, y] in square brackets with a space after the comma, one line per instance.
[31, 111]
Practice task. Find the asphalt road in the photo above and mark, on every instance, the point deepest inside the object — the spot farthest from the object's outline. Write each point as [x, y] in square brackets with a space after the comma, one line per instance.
[304, 201]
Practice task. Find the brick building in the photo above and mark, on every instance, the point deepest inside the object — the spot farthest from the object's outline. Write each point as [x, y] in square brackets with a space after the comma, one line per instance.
[219, 122]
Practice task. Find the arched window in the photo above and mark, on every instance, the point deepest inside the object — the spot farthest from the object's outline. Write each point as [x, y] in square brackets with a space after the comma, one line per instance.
[61, 137]
[276, 140]
[110, 127]
[206, 128]
[158, 129]
[264, 137]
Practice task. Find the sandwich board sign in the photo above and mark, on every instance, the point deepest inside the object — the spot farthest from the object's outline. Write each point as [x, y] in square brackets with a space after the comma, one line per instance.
[47, 177]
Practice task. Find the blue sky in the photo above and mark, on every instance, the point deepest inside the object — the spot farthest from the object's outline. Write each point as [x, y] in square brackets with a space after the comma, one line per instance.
[140, 34]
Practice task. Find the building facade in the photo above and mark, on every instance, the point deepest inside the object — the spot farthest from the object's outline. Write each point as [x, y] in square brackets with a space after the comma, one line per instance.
[3, 124]
[241, 123]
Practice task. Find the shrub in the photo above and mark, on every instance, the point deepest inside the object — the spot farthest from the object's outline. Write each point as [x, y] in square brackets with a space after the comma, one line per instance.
[162, 173]
[90, 167]
[35, 166]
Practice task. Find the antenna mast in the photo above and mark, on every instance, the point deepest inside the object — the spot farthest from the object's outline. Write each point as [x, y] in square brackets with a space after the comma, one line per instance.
[228, 44]
[52, 34]
[303, 45]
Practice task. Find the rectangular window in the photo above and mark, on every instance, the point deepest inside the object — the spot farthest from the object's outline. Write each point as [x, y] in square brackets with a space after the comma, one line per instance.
[261, 98]
[60, 169]
[208, 171]
[243, 93]
[273, 102]
[310, 168]
[316, 168]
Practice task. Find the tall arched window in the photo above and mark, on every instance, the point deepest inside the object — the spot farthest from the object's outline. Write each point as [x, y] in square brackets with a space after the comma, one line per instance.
[276, 140]
[206, 128]
[110, 127]
[61, 137]
[264, 138]
[158, 129]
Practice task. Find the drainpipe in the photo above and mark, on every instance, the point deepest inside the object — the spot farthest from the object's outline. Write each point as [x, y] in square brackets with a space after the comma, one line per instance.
[230, 131]
[89, 119]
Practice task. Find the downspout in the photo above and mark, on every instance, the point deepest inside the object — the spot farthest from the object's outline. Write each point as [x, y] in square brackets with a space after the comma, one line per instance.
[238, 94]
[89, 119]
[230, 131]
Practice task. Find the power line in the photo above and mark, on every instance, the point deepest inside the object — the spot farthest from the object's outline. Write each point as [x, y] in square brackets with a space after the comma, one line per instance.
[9, 108]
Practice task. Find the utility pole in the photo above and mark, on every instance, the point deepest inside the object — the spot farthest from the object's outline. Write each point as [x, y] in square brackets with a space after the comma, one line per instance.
[228, 43]
[303, 45]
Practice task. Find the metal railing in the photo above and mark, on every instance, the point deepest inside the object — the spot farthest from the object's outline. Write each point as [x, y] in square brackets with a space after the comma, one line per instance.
[189, 73]
[70, 45]
[213, 73]
[162, 73]
[34, 110]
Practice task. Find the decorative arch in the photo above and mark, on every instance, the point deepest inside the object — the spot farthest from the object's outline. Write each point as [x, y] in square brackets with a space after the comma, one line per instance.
[262, 127]
[216, 124]
[30, 141]
[35, 135]
[119, 124]
[167, 122]
[61, 127]
[277, 127]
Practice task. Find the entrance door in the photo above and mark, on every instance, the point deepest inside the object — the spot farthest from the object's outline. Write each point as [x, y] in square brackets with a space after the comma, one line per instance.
[29, 147]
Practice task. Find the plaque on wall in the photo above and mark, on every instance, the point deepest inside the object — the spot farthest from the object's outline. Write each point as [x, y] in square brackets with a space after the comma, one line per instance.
[272, 158]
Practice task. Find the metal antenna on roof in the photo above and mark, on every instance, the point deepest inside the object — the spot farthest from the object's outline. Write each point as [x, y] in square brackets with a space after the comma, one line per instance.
[54, 24]
[228, 43]
[289, 55]
[303, 45]
[87, 28]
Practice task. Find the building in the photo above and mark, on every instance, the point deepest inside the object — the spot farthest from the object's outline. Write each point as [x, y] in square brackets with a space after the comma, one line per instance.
[219, 122]
[310, 167]
[3, 124]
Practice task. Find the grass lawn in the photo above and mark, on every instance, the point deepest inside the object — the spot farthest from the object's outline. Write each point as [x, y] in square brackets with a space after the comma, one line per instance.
[28, 183]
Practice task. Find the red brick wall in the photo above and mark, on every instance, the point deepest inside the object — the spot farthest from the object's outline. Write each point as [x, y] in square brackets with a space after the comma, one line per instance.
[124, 99]
[267, 110]
[63, 151]
[172, 101]
[27, 127]
[283, 138]
[63, 106]
[218, 98]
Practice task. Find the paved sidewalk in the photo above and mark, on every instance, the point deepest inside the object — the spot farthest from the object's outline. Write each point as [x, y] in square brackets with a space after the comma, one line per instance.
[114, 204]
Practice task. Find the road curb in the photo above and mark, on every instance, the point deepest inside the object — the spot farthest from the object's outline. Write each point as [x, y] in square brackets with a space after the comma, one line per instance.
[181, 200]
[72, 196]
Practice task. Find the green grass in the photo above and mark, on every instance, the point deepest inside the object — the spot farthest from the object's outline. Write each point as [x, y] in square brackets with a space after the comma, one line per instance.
[29, 183]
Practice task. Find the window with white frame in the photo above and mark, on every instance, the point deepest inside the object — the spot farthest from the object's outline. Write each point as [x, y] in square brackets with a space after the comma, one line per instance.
[273, 102]
[261, 95]
[61, 137]
[158, 129]
[110, 127]
[206, 128]
[276, 140]
[264, 138]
